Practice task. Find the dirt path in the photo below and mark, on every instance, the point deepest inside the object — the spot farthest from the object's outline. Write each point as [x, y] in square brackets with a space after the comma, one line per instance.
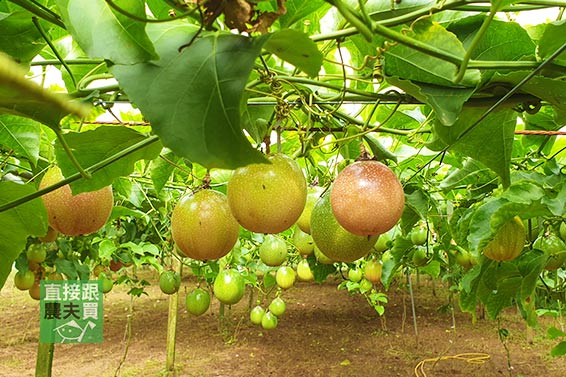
[325, 332]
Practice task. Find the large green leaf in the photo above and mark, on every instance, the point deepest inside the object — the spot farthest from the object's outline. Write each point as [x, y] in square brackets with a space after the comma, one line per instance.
[162, 168]
[552, 39]
[409, 64]
[23, 97]
[551, 90]
[93, 146]
[296, 48]
[502, 41]
[447, 102]
[106, 34]
[471, 173]
[500, 284]
[28, 219]
[383, 10]
[490, 142]
[19, 38]
[299, 9]
[159, 8]
[23, 135]
[192, 98]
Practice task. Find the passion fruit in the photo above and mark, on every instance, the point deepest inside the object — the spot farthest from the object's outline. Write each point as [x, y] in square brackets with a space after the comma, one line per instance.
[203, 226]
[332, 239]
[554, 248]
[508, 242]
[75, 215]
[367, 198]
[268, 198]
[304, 221]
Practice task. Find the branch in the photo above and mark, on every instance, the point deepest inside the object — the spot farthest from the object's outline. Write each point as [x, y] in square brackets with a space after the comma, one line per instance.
[40, 11]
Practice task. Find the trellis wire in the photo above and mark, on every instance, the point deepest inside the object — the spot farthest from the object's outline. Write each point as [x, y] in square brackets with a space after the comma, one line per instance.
[133, 124]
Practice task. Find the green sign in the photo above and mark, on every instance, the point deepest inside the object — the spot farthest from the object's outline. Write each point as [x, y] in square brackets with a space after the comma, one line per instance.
[71, 311]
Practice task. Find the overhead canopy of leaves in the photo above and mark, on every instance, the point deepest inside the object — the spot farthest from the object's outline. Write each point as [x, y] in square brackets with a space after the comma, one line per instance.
[190, 115]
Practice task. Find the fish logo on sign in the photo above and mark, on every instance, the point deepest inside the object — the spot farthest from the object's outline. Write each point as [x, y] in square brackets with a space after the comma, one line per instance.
[72, 331]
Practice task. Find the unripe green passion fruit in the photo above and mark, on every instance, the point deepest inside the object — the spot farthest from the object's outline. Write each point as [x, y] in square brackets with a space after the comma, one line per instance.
[304, 221]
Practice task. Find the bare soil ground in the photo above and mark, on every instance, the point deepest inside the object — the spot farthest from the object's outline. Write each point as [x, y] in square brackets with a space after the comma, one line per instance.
[325, 332]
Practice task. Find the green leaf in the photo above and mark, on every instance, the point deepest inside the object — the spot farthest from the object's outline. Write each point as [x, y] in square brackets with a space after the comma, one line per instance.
[296, 48]
[530, 266]
[383, 10]
[468, 298]
[378, 150]
[527, 198]
[269, 280]
[67, 268]
[120, 211]
[447, 102]
[409, 64]
[551, 40]
[503, 296]
[498, 286]
[554, 333]
[432, 269]
[552, 90]
[162, 168]
[19, 38]
[28, 219]
[559, 349]
[490, 142]
[159, 8]
[91, 147]
[106, 34]
[472, 173]
[502, 41]
[23, 97]
[200, 119]
[23, 135]
[299, 9]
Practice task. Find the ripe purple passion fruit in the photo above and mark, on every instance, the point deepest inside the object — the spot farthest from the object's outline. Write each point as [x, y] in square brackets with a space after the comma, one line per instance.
[508, 242]
[333, 240]
[75, 215]
[203, 227]
[268, 198]
[367, 198]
